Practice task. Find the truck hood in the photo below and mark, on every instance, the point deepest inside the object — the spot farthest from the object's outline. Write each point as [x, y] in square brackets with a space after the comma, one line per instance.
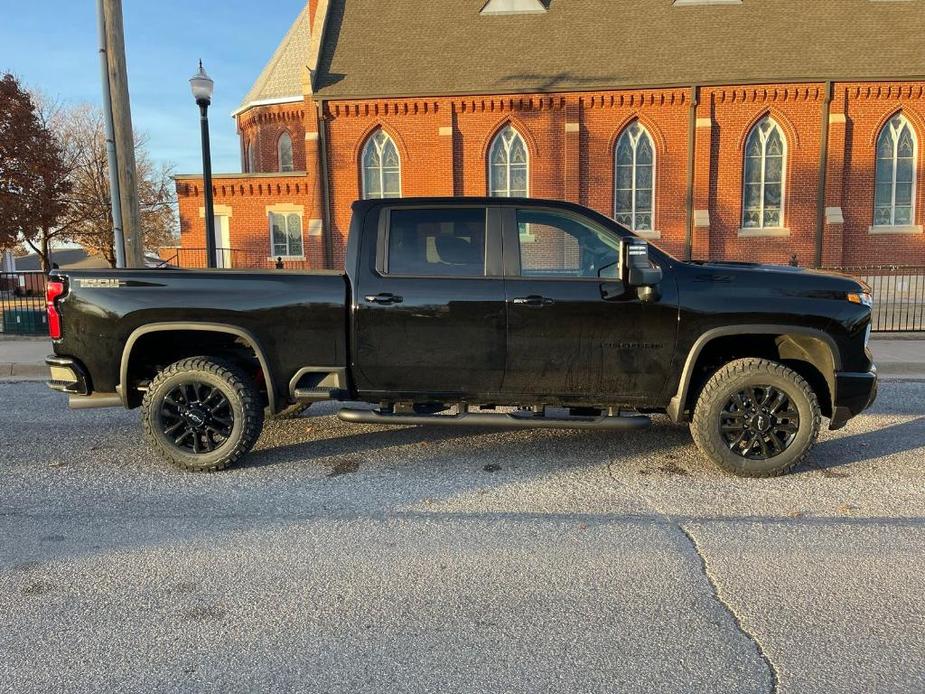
[796, 278]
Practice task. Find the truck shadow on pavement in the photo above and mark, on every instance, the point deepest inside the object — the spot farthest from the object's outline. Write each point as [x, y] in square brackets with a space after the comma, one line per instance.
[869, 445]
[344, 449]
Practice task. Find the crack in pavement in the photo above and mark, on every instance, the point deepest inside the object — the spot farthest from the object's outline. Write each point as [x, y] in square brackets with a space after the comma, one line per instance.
[712, 581]
[718, 596]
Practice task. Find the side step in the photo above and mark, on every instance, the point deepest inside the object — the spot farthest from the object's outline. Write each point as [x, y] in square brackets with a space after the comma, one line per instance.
[499, 420]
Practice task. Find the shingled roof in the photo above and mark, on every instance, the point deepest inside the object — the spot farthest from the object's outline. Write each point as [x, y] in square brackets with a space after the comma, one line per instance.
[414, 48]
[281, 78]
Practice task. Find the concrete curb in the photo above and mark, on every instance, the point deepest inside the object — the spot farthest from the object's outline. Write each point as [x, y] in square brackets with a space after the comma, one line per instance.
[876, 337]
[23, 372]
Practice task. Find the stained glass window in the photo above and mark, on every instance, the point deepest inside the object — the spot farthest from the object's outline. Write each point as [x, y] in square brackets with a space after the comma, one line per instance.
[763, 187]
[381, 167]
[894, 194]
[286, 234]
[284, 148]
[635, 179]
[509, 165]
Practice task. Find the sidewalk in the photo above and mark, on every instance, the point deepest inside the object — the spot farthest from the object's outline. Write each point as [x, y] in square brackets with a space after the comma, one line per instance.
[899, 356]
[23, 358]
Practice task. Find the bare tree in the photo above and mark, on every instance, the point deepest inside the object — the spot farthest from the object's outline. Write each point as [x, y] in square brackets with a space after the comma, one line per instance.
[88, 217]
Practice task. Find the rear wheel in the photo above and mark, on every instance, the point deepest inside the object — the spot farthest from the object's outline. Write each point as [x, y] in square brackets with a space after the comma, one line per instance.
[202, 414]
[756, 418]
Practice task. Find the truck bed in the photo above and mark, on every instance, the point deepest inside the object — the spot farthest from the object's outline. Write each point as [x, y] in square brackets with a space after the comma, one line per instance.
[297, 318]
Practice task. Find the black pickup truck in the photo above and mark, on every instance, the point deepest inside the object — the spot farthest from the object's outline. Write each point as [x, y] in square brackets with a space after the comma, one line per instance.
[474, 311]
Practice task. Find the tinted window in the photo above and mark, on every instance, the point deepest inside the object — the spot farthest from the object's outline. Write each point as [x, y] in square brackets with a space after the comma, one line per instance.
[554, 245]
[440, 242]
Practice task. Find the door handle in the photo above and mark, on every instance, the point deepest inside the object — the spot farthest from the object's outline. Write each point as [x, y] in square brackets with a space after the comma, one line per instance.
[384, 298]
[534, 300]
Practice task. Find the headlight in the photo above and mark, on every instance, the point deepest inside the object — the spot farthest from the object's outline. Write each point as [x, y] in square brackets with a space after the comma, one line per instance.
[863, 298]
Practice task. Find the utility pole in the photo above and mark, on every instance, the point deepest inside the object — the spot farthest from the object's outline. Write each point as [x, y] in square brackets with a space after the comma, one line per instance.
[117, 241]
[123, 135]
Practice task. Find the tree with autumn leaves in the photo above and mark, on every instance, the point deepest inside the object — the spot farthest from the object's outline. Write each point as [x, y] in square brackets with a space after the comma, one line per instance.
[34, 175]
[54, 178]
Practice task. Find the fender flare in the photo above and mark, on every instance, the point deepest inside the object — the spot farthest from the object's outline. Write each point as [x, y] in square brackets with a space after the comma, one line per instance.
[245, 335]
[675, 408]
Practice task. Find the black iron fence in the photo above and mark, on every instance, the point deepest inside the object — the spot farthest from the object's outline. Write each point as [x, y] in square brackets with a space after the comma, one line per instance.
[233, 258]
[22, 303]
[899, 296]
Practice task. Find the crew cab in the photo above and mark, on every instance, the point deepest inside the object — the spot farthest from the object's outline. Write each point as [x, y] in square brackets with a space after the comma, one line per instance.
[473, 311]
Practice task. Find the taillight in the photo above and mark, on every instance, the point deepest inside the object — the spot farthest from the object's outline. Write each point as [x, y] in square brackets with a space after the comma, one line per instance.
[53, 291]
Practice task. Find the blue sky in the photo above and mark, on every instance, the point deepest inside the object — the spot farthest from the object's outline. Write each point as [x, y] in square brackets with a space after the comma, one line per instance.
[52, 45]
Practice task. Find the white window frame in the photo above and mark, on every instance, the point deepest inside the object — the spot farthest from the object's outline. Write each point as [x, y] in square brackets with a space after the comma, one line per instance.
[893, 227]
[285, 213]
[634, 143]
[374, 141]
[285, 137]
[500, 141]
[761, 229]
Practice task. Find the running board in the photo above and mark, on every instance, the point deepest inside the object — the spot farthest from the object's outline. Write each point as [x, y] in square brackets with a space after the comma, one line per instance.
[499, 420]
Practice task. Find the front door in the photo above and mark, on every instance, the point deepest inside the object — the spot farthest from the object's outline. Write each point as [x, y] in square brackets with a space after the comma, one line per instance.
[574, 331]
[222, 242]
[430, 315]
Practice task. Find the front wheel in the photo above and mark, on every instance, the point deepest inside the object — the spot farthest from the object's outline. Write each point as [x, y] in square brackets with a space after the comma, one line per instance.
[202, 414]
[756, 418]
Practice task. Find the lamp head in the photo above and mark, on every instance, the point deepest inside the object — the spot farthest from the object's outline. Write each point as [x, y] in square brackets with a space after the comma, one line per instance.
[202, 86]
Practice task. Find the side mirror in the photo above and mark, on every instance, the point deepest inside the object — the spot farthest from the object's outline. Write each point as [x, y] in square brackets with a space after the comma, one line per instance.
[641, 272]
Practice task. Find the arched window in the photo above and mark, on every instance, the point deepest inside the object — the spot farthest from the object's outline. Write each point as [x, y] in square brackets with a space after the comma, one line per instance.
[284, 149]
[765, 165]
[381, 167]
[249, 153]
[894, 199]
[635, 179]
[509, 165]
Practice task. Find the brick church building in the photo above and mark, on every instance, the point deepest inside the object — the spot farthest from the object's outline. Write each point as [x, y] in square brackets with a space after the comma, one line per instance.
[718, 129]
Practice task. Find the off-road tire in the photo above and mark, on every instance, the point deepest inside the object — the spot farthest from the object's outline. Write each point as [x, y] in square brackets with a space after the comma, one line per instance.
[733, 378]
[244, 401]
[291, 412]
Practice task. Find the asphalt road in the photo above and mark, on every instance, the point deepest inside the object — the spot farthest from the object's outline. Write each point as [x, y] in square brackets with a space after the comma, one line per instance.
[370, 559]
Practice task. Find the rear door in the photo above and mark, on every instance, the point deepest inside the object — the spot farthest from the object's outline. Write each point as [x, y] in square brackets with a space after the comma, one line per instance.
[430, 313]
[574, 331]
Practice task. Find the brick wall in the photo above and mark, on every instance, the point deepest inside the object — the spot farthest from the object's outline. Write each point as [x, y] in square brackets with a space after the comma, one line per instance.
[444, 142]
[245, 199]
[261, 128]
[867, 108]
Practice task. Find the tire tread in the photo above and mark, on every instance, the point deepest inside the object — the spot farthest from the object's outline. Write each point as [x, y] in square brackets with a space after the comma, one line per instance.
[242, 385]
[702, 421]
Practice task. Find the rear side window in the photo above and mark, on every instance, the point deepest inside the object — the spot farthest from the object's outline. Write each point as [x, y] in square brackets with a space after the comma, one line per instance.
[437, 243]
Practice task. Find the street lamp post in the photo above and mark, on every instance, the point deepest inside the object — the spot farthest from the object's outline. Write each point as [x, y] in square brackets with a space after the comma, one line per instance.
[202, 86]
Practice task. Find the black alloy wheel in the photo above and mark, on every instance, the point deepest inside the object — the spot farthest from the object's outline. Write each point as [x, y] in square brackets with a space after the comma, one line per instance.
[756, 417]
[759, 422]
[197, 416]
[203, 413]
